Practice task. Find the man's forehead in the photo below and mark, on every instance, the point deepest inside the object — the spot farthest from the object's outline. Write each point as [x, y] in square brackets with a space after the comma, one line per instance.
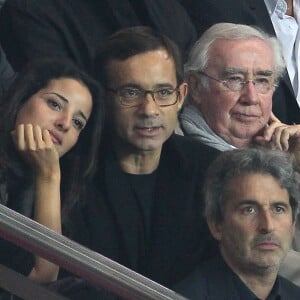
[249, 185]
[226, 70]
[147, 70]
[238, 53]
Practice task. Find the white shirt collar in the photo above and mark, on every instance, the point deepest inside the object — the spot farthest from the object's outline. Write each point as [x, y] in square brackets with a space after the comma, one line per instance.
[276, 6]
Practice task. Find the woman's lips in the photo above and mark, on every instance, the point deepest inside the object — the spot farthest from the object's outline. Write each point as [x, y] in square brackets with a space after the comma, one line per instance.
[56, 139]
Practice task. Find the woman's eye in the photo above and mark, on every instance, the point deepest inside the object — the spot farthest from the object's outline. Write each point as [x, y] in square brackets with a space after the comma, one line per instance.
[54, 104]
[78, 124]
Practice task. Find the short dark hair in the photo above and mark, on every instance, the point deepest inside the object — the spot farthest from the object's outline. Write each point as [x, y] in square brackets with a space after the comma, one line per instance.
[81, 159]
[131, 41]
[246, 161]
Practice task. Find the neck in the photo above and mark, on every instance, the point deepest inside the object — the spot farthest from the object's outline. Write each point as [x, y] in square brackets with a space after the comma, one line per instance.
[237, 142]
[259, 280]
[138, 162]
[260, 284]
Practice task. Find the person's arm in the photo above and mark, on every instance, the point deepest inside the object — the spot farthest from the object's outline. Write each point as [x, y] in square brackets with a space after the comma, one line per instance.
[38, 150]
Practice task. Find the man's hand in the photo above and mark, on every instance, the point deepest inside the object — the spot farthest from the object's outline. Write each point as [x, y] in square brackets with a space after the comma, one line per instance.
[278, 135]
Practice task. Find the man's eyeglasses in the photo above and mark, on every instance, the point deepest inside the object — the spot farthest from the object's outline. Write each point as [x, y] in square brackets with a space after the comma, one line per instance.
[134, 96]
[235, 83]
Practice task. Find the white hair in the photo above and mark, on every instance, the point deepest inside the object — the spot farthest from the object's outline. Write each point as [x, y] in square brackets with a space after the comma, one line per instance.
[200, 53]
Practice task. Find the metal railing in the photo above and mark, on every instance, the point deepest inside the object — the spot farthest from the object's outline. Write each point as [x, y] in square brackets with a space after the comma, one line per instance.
[89, 265]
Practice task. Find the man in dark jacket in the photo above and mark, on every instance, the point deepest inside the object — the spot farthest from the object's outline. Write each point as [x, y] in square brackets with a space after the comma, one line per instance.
[142, 209]
[251, 204]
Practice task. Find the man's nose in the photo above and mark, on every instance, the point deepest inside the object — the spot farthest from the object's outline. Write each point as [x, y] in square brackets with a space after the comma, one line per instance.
[149, 106]
[249, 94]
[266, 222]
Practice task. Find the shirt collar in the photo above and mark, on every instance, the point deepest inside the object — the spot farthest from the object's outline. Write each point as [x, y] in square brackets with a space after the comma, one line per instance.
[276, 6]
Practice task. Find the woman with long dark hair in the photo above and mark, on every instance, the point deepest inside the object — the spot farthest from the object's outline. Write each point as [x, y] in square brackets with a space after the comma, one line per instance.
[50, 128]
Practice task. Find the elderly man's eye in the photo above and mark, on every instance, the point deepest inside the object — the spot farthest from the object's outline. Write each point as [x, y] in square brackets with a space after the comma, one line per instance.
[235, 79]
[262, 80]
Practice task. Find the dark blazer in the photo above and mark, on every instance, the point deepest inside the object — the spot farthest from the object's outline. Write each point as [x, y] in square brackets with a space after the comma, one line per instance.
[74, 28]
[7, 74]
[205, 13]
[110, 224]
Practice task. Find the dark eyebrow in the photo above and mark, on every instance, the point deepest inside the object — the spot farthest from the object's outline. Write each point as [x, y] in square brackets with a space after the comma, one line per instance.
[165, 85]
[247, 202]
[67, 101]
[281, 203]
[59, 96]
[136, 86]
[254, 202]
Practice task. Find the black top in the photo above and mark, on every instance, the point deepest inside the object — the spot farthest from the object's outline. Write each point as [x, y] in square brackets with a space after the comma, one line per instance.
[109, 222]
[214, 280]
[75, 28]
[7, 74]
[17, 194]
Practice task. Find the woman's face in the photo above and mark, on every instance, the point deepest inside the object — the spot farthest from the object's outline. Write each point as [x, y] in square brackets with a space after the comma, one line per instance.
[63, 107]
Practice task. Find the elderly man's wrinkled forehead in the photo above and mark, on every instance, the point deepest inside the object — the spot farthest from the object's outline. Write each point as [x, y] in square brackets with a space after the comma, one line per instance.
[251, 54]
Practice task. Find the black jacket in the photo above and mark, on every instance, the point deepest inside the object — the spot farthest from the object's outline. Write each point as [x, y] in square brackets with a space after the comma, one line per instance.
[214, 280]
[75, 28]
[110, 223]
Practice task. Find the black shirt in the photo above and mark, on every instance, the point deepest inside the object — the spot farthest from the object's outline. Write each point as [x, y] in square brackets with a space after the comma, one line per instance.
[214, 280]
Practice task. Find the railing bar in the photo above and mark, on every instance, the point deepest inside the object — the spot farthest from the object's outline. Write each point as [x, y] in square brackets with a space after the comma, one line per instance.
[79, 259]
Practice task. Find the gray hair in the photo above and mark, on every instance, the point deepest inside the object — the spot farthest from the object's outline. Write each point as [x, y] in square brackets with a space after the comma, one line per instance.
[200, 53]
[252, 160]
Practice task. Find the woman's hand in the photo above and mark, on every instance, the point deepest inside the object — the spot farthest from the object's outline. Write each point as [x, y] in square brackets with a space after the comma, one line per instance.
[37, 148]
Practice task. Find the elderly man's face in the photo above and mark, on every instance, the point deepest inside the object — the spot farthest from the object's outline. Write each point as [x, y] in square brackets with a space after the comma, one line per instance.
[144, 127]
[257, 228]
[237, 116]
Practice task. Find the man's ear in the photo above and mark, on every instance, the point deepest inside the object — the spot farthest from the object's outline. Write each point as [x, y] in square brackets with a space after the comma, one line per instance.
[183, 89]
[215, 229]
[194, 90]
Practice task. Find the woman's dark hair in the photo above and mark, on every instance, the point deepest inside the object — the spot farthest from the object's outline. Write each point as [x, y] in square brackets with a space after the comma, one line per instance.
[80, 162]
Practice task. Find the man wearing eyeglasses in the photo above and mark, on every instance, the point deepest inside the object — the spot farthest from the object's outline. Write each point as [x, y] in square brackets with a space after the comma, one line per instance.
[143, 209]
[232, 73]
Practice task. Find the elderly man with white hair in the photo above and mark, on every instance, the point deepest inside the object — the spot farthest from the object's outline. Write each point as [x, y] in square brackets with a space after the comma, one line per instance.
[232, 72]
